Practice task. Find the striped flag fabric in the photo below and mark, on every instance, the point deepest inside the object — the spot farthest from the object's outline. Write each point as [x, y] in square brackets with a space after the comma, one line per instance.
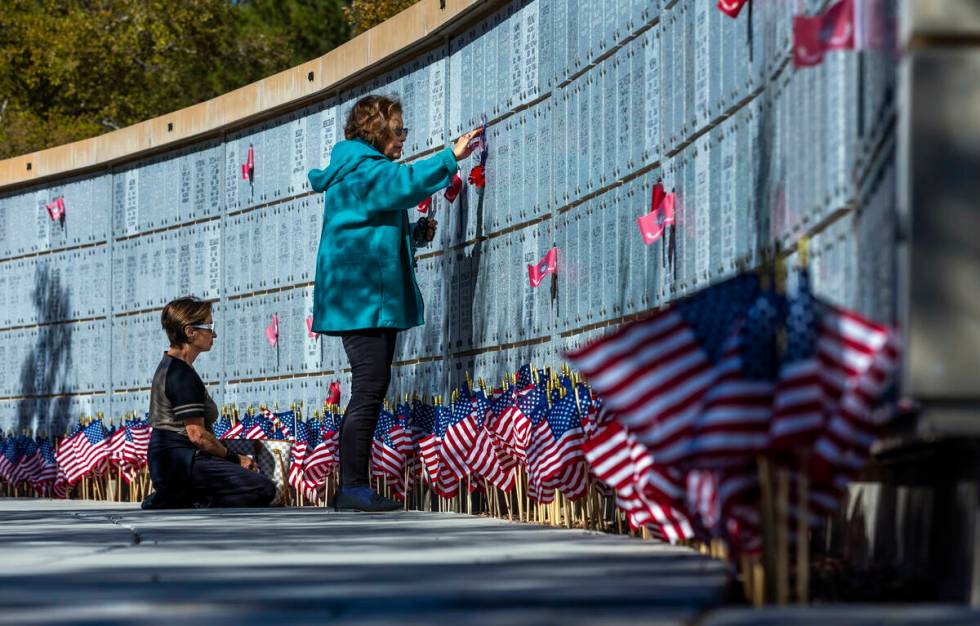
[456, 434]
[44, 479]
[483, 459]
[506, 424]
[322, 461]
[91, 452]
[429, 442]
[857, 370]
[304, 443]
[221, 426]
[233, 432]
[618, 459]
[116, 443]
[30, 461]
[386, 461]
[555, 455]
[9, 459]
[659, 375]
[65, 455]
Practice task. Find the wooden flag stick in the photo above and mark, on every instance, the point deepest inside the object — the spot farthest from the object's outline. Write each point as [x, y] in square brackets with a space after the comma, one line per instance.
[768, 519]
[803, 536]
[782, 536]
[745, 567]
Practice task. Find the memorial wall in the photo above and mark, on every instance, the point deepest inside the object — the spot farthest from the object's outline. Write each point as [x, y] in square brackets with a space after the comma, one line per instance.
[589, 104]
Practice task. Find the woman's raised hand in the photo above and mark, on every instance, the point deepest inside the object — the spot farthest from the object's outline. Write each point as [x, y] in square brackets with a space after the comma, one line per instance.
[465, 145]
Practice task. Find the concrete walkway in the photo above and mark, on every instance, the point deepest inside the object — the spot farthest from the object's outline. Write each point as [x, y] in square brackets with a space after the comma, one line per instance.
[64, 562]
[83, 562]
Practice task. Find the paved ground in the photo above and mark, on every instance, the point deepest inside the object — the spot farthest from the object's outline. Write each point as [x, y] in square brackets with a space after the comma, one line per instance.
[77, 562]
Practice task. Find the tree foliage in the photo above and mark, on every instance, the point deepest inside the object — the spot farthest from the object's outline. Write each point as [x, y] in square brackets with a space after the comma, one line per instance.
[364, 14]
[71, 69]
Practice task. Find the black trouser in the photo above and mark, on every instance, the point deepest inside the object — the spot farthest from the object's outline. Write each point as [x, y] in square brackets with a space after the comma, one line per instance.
[184, 476]
[220, 483]
[369, 352]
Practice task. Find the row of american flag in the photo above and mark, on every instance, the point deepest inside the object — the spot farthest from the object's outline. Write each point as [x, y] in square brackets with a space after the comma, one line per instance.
[90, 449]
[670, 419]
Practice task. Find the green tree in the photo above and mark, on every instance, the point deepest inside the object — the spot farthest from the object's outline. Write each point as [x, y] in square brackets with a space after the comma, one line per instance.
[71, 69]
[306, 29]
[364, 14]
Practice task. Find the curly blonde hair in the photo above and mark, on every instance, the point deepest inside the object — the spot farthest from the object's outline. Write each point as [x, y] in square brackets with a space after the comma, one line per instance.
[372, 119]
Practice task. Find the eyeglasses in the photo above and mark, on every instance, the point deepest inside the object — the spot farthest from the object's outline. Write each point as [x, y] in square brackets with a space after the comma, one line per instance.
[209, 327]
[401, 132]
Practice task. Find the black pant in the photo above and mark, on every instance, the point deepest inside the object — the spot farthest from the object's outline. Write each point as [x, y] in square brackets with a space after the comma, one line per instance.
[184, 476]
[369, 352]
[220, 483]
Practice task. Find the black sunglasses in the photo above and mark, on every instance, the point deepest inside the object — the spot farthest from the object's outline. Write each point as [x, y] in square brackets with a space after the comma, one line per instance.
[401, 132]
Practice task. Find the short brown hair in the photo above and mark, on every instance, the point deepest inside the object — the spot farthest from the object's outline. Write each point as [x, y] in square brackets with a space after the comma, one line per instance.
[180, 313]
[371, 120]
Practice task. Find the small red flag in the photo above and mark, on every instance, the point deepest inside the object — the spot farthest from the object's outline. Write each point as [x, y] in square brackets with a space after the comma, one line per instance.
[813, 36]
[547, 265]
[272, 330]
[309, 327]
[454, 187]
[478, 177]
[661, 215]
[425, 205]
[731, 7]
[333, 396]
[56, 209]
[248, 168]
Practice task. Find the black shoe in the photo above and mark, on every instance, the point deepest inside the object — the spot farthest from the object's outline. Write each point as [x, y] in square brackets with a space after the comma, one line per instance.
[363, 499]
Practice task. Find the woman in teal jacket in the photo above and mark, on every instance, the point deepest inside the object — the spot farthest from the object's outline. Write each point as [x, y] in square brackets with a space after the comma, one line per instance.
[365, 289]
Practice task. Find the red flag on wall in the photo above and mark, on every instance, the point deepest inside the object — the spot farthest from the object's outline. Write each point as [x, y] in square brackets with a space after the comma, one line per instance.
[835, 29]
[661, 215]
[731, 7]
[56, 209]
[333, 396]
[272, 331]
[542, 268]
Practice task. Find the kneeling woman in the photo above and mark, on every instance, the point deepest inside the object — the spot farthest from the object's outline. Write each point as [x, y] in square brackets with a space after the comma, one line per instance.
[188, 465]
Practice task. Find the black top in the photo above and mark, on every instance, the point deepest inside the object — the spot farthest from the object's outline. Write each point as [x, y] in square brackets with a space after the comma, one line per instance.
[178, 393]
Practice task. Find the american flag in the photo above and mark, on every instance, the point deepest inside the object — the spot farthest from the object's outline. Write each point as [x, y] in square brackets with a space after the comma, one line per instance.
[90, 452]
[457, 433]
[132, 455]
[649, 498]
[429, 441]
[323, 459]
[798, 401]
[221, 426]
[734, 423]
[858, 364]
[657, 375]
[304, 443]
[30, 461]
[401, 432]
[65, 454]
[386, 460]
[116, 443]
[9, 459]
[504, 424]
[284, 425]
[483, 459]
[258, 426]
[44, 479]
[232, 432]
[555, 456]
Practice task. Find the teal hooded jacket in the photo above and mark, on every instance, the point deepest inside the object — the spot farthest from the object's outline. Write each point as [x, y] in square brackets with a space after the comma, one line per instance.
[365, 267]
